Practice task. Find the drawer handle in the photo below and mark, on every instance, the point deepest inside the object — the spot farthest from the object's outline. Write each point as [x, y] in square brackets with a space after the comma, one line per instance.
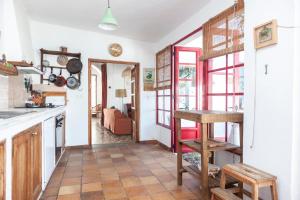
[34, 133]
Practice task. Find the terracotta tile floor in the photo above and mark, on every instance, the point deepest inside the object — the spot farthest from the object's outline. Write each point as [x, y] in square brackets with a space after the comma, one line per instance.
[101, 135]
[119, 172]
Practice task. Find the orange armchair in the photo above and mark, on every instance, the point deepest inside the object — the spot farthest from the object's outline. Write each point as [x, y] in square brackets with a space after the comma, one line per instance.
[118, 123]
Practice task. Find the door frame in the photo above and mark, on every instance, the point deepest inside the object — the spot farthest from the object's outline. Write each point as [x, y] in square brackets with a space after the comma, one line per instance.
[137, 96]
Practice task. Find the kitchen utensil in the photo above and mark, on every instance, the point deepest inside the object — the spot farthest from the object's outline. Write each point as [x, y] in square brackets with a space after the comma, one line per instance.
[74, 66]
[52, 77]
[60, 80]
[63, 59]
[72, 82]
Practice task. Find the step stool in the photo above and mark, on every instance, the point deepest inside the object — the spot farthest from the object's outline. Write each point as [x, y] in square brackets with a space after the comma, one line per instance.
[251, 176]
[222, 194]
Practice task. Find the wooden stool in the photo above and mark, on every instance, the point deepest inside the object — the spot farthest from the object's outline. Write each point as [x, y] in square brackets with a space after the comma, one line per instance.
[248, 175]
[222, 194]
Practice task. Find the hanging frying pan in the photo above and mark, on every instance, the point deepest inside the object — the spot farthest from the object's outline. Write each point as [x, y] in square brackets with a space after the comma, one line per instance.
[52, 77]
[74, 66]
[72, 82]
[60, 80]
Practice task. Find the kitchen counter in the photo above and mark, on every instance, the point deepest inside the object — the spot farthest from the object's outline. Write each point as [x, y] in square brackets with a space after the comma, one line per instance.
[14, 125]
[10, 127]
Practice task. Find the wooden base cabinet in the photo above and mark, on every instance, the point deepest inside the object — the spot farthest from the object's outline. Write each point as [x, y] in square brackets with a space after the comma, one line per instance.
[27, 164]
[2, 170]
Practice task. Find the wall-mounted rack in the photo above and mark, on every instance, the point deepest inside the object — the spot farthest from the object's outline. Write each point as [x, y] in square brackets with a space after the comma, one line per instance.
[56, 53]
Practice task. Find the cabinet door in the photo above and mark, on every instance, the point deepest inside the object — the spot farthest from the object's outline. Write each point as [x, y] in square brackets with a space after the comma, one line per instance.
[36, 161]
[22, 163]
[48, 149]
[2, 170]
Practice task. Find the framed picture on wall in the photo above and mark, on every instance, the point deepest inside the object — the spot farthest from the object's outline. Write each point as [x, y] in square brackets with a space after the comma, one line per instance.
[266, 34]
[149, 79]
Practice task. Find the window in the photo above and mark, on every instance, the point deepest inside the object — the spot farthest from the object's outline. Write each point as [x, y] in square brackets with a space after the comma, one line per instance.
[225, 89]
[163, 68]
[163, 85]
[94, 90]
[163, 114]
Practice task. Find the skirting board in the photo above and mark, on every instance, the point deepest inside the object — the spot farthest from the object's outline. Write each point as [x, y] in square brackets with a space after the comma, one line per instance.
[156, 142]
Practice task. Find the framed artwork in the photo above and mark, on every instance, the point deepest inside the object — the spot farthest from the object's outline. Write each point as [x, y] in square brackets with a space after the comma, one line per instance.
[266, 34]
[149, 79]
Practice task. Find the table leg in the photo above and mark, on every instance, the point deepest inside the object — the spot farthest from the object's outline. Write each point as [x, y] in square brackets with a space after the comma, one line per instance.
[255, 192]
[204, 162]
[179, 152]
[274, 191]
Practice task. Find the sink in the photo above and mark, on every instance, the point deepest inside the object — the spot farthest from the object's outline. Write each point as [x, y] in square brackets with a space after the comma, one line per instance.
[11, 114]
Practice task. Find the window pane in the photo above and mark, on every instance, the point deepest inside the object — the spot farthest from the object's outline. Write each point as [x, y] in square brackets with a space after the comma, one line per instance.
[236, 80]
[187, 103]
[188, 124]
[217, 103]
[187, 88]
[187, 72]
[160, 117]
[160, 102]
[236, 58]
[167, 92]
[167, 103]
[167, 118]
[235, 103]
[160, 92]
[233, 135]
[216, 63]
[187, 57]
[219, 131]
[217, 82]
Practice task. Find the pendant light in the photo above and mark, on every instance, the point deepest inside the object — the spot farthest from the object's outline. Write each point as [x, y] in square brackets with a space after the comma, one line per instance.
[108, 22]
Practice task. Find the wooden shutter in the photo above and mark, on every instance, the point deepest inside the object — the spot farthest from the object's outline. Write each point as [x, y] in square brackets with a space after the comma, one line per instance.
[163, 68]
[224, 34]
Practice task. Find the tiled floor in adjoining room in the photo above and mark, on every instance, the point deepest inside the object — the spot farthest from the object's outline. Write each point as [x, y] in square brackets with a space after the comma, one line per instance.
[101, 135]
[120, 171]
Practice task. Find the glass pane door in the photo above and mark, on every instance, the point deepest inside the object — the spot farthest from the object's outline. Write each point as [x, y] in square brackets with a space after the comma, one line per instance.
[187, 75]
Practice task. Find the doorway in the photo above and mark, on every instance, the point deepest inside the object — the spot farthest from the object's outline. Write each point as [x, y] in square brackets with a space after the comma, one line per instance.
[113, 98]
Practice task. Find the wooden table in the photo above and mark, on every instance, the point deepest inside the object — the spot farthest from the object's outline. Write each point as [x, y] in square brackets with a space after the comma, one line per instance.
[203, 145]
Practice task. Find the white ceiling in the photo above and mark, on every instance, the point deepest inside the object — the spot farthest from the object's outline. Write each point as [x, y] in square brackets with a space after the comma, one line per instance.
[147, 20]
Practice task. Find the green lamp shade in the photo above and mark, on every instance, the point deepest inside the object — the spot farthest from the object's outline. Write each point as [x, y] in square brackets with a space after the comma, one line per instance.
[108, 23]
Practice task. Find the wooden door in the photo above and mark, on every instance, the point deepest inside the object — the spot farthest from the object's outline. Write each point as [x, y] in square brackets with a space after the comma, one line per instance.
[36, 161]
[187, 87]
[27, 164]
[22, 163]
[2, 170]
[135, 116]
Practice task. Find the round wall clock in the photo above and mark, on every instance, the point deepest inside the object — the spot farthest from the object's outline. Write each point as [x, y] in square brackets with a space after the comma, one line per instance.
[115, 49]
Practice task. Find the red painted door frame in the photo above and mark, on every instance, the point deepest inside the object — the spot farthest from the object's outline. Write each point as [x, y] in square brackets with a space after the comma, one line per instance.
[187, 132]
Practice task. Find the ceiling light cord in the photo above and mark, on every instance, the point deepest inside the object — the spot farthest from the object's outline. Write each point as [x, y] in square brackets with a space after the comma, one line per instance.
[108, 3]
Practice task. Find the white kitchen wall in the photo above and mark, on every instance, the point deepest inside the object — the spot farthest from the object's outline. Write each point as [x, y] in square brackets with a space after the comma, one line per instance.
[296, 109]
[15, 42]
[94, 45]
[271, 147]
[116, 81]
[4, 92]
[210, 10]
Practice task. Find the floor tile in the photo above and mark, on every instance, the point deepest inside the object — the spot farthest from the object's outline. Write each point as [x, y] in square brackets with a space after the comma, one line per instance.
[92, 187]
[73, 189]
